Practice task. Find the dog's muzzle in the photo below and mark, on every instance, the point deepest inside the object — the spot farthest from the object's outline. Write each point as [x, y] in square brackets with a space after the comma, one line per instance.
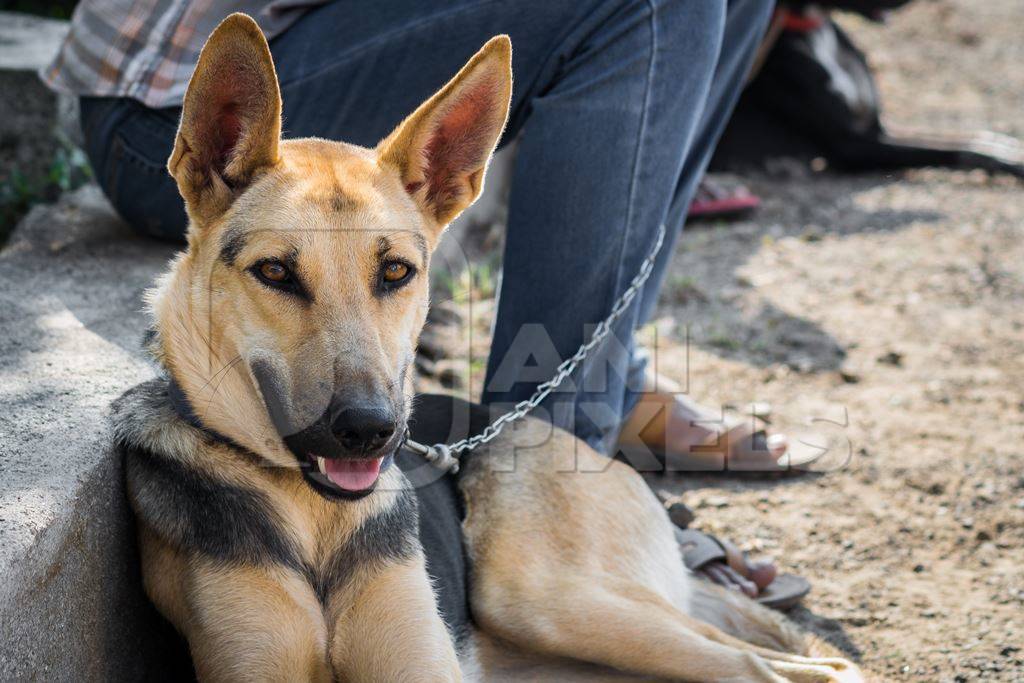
[344, 453]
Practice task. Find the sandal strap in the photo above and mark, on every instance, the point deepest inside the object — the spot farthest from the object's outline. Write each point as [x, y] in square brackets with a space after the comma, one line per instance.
[699, 549]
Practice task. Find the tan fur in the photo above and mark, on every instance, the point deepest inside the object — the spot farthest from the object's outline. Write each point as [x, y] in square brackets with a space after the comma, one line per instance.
[575, 568]
[470, 95]
[237, 74]
[390, 632]
[573, 556]
[265, 623]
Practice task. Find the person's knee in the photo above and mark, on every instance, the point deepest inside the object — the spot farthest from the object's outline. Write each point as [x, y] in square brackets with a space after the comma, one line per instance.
[750, 14]
[143, 194]
[688, 34]
[128, 156]
[693, 33]
[702, 15]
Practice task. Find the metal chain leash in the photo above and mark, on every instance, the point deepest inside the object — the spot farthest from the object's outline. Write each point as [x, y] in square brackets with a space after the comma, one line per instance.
[445, 456]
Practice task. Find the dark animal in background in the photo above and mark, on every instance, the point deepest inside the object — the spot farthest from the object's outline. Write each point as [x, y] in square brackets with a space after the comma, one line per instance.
[815, 97]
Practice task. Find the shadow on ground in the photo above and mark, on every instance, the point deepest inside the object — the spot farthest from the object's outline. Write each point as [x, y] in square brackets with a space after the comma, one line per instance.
[724, 313]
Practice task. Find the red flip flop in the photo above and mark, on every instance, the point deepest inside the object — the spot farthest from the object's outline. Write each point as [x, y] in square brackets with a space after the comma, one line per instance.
[715, 200]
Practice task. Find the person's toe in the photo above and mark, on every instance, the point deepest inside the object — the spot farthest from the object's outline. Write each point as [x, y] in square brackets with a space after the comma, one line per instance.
[714, 572]
[760, 574]
[725, 576]
[745, 584]
[778, 444]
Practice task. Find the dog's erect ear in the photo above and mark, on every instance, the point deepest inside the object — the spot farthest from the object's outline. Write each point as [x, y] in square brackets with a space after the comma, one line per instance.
[231, 119]
[443, 148]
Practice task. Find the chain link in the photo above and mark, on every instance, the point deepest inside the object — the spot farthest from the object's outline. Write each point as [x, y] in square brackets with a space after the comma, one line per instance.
[445, 456]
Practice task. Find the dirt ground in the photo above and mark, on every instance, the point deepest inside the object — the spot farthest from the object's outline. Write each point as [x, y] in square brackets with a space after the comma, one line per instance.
[892, 304]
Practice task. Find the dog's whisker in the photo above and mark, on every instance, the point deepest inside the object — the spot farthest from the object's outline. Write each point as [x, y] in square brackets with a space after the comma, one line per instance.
[223, 369]
[223, 374]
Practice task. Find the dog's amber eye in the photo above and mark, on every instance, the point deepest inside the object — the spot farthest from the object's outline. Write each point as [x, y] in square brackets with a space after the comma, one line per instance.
[274, 271]
[395, 271]
[278, 276]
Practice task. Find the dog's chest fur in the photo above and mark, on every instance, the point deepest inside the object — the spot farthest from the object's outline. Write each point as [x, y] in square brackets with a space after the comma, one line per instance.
[209, 500]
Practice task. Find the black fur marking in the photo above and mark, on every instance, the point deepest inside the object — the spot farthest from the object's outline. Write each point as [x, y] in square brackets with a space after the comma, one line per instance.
[197, 513]
[441, 511]
[200, 514]
[386, 538]
[183, 407]
[234, 242]
[438, 418]
[383, 247]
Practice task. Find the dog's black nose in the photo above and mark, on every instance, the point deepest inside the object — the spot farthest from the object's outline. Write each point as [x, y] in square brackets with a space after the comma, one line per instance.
[364, 428]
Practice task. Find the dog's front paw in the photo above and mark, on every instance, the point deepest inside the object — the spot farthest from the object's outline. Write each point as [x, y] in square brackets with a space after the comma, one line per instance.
[819, 670]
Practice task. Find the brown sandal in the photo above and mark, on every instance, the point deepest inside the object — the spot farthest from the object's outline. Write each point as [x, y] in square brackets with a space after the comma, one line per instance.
[752, 450]
[700, 549]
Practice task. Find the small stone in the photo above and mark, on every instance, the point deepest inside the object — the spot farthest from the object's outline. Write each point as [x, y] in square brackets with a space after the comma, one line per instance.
[430, 345]
[445, 313]
[849, 377]
[968, 38]
[893, 358]
[425, 366]
[680, 514]
[802, 364]
[449, 375]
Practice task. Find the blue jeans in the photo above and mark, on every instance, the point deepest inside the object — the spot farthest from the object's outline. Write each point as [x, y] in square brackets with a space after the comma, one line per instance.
[617, 103]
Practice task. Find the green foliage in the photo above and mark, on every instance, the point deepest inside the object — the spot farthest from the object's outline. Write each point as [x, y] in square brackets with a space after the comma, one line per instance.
[475, 283]
[720, 338]
[69, 168]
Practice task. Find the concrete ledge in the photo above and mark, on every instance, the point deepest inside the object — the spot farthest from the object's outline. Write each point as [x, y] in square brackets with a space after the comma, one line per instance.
[71, 604]
[29, 113]
[28, 43]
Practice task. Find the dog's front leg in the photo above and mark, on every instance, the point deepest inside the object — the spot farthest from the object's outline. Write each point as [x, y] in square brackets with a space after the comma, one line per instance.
[253, 624]
[392, 631]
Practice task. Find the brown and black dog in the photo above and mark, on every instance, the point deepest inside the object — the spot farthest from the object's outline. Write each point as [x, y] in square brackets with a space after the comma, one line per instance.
[274, 532]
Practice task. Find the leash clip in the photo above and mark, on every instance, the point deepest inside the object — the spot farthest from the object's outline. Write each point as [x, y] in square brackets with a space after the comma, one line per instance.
[439, 455]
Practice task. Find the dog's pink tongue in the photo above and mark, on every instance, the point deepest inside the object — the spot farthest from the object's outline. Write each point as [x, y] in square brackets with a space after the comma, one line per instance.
[353, 475]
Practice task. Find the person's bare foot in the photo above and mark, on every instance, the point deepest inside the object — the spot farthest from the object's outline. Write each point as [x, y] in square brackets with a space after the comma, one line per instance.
[723, 563]
[740, 573]
[692, 437]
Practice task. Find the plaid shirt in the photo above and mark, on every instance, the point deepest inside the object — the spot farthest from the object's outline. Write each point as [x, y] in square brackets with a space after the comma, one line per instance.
[147, 49]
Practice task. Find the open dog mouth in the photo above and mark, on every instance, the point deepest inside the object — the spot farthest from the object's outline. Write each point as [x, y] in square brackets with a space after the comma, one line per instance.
[344, 475]
[337, 469]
